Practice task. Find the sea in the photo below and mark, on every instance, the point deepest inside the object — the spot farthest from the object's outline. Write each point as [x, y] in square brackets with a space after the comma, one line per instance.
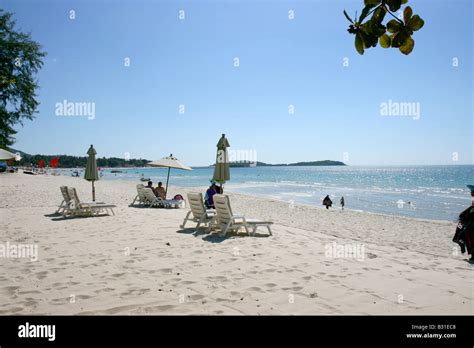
[426, 192]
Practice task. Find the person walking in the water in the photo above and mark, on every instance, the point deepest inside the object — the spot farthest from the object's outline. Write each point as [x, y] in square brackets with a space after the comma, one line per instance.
[342, 202]
[327, 202]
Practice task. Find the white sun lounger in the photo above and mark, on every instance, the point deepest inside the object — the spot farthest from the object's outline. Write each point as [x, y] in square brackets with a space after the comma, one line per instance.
[200, 214]
[228, 221]
[64, 206]
[67, 205]
[140, 197]
[151, 200]
[86, 208]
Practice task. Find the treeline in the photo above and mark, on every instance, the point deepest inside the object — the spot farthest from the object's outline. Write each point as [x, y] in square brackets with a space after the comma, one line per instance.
[65, 161]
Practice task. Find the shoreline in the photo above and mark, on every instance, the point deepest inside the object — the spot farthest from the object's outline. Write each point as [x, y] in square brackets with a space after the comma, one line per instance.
[269, 197]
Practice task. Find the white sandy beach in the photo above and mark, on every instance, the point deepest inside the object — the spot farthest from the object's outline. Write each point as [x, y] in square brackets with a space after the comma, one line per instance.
[83, 266]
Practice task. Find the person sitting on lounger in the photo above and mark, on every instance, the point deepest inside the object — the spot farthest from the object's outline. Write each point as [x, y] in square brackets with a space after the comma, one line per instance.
[150, 185]
[160, 191]
[208, 199]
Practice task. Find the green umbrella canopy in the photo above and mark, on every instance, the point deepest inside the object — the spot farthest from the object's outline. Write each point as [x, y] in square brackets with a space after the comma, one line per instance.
[221, 169]
[91, 173]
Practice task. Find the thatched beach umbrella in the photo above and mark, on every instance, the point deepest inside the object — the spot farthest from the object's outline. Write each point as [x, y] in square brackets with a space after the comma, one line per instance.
[169, 162]
[221, 169]
[91, 173]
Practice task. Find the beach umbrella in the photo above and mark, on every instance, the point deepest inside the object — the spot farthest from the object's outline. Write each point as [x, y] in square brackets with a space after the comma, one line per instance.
[169, 162]
[221, 169]
[6, 155]
[91, 173]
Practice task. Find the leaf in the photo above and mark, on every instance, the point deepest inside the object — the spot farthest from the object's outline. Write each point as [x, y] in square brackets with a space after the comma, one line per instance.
[416, 23]
[371, 2]
[385, 41]
[408, 46]
[400, 39]
[394, 5]
[348, 18]
[359, 44]
[379, 15]
[365, 12]
[404, 2]
[407, 13]
[394, 26]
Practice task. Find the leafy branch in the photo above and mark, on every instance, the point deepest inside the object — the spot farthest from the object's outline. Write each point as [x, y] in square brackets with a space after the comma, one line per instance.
[369, 29]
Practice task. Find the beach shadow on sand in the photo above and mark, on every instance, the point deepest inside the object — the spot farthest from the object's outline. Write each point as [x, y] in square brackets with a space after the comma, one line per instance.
[59, 217]
[216, 238]
[195, 232]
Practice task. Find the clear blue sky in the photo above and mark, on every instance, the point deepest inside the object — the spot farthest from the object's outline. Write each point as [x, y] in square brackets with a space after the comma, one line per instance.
[282, 62]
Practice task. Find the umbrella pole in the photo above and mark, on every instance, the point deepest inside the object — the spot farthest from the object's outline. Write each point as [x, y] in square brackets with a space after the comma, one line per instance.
[167, 179]
[93, 191]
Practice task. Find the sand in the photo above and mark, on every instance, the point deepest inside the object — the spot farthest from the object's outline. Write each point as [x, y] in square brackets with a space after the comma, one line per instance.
[140, 262]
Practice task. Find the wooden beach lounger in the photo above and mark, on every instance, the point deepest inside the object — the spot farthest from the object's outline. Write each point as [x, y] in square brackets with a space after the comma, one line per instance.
[228, 221]
[79, 208]
[199, 213]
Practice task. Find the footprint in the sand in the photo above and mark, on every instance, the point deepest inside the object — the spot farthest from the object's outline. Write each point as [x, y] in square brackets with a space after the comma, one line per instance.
[11, 310]
[188, 282]
[29, 292]
[104, 290]
[10, 290]
[166, 270]
[196, 297]
[41, 275]
[270, 285]
[254, 288]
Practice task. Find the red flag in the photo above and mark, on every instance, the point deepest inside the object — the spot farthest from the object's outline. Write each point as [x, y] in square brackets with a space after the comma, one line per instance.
[54, 162]
[41, 163]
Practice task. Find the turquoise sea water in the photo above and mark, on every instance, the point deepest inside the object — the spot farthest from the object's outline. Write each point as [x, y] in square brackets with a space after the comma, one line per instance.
[435, 192]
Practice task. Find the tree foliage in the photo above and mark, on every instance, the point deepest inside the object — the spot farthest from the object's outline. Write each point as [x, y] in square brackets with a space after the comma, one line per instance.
[369, 29]
[20, 59]
[65, 161]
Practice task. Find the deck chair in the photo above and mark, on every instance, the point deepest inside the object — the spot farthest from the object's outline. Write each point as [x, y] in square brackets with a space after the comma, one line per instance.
[65, 204]
[87, 208]
[152, 201]
[140, 197]
[198, 211]
[227, 221]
